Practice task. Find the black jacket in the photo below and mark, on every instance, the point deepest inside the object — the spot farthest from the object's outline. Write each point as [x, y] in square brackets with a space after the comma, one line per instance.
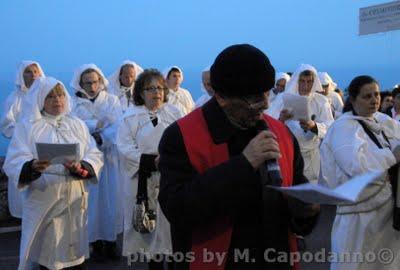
[232, 188]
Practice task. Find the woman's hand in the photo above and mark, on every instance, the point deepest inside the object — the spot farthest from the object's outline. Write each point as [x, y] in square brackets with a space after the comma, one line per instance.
[73, 167]
[40, 165]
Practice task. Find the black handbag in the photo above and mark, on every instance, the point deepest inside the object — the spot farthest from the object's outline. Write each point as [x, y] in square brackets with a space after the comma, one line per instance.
[144, 218]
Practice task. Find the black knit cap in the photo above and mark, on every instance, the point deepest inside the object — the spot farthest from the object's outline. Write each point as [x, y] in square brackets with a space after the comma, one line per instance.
[242, 70]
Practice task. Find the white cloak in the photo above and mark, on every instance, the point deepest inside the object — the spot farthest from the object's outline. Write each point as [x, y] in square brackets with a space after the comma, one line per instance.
[115, 87]
[11, 114]
[54, 232]
[137, 136]
[320, 109]
[347, 151]
[105, 210]
[182, 99]
[309, 141]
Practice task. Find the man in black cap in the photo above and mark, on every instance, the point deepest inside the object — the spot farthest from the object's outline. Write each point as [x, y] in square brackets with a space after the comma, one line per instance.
[214, 171]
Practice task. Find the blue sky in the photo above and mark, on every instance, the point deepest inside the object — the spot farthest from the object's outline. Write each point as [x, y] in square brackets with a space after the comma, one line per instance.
[63, 34]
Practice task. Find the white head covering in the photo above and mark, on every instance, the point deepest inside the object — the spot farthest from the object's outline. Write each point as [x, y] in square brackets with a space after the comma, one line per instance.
[114, 78]
[19, 78]
[292, 86]
[282, 75]
[166, 71]
[39, 91]
[203, 89]
[327, 80]
[77, 77]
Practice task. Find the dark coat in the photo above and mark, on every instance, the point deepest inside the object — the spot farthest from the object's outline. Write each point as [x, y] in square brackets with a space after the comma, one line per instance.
[189, 199]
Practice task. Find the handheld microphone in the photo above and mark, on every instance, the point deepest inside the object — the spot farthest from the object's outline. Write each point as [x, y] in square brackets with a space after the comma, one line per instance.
[271, 166]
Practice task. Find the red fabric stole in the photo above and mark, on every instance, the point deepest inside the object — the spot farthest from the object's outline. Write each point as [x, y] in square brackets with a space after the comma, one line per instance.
[204, 154]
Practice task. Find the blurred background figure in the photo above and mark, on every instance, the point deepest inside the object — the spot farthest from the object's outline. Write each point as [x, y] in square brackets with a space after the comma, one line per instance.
[205, 88]
[122, 82]
[178, 96]
[386, 101]
[328, 87]
[27, 73]
[281, 79]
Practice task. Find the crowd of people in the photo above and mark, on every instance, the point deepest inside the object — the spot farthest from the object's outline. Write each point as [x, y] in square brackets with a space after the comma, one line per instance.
[177, 176]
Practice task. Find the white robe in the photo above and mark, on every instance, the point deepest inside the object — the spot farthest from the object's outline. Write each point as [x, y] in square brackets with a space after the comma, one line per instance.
[182, 99]
[309, 141]
[121, 94]
[202, 100]
[115, 87]
[10, 116]
[137, 136]
[54, 232]
[336, 102]
[347, 151]
[105, 210]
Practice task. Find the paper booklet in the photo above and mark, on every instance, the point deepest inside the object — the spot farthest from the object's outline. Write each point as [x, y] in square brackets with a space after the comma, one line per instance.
[343, 194]
[57, 153]
[298, 105]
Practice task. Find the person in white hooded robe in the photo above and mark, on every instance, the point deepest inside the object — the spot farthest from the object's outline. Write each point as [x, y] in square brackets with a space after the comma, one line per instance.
[54, 221]
[281, 78]
[122, 82]
[177, 95]
[101, 112]
[329, 86]
[361, 141]
[27, 73]
[309, 133]
[205, 87]
[138, 139]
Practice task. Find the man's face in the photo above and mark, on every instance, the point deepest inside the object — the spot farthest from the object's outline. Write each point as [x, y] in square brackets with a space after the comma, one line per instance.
[205, 78]
[31, 73]
[128, 76]
[174, 80]
[245, 111]
[280, 85]
[90, 82]
[305, 84]
[396, 102]
[388, 102]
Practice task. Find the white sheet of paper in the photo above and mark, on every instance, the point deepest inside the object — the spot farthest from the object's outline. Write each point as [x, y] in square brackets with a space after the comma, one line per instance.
[298, 105]
[57, 153]
[345, 193]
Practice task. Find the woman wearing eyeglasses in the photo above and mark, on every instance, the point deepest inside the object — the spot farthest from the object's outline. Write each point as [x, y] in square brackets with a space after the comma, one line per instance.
[146, 230]
[361, 141]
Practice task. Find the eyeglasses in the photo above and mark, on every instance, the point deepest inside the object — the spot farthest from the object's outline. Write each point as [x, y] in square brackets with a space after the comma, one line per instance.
[90, 83]
[155, 89]
[256, 104]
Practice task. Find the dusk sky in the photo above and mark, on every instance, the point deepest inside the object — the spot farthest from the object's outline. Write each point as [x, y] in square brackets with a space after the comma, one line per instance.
[63, 34]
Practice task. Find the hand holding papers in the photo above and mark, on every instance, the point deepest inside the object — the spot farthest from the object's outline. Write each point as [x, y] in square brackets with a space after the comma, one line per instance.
[345, 193]
[298, 106]
[57, 153]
